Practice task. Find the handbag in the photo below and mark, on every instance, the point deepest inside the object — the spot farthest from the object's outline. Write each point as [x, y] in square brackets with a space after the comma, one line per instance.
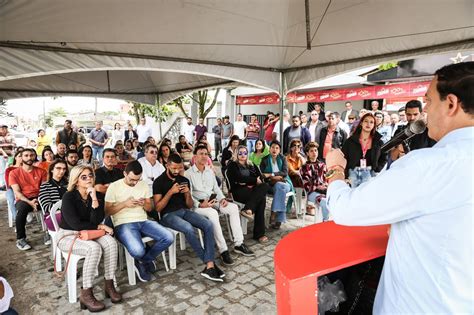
[85, 235]
[49, 222]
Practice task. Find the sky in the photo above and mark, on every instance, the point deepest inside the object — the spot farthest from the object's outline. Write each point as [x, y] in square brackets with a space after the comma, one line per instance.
[33, 107]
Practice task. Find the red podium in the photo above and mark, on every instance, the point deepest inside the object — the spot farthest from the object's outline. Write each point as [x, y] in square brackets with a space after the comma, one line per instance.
[311, 252]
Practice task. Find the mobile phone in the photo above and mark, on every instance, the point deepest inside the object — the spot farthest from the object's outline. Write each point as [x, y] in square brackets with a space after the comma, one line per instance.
[213, 196]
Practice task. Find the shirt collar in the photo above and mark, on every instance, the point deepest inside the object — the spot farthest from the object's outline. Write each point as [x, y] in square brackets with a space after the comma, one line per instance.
[455, 135]
[196, 170]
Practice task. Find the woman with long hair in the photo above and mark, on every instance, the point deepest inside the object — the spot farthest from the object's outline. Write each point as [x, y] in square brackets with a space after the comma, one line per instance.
[363, 152]
[117, 134]
[164, 153]
[83, 209]
[314, 182]
[260, 151]
[122, 156]
[42, 141]
[53, 190]
[129, 148]
[275, 169]
[246, 186]
[229, 151]
[203, 140]
[86, 157]
[47, 157]
[295, 161]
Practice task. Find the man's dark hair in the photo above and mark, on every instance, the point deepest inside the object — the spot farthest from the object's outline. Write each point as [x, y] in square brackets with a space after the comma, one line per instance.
[175, 158]
[109, 150]
[401, 109]
[336, 114]
[200, 147]
[28, 150]
[295, 116]
[254, 115]
[457, 79]
[150, 145]
[135, 167]
[69, 152]
[414, 104]
[68, 121]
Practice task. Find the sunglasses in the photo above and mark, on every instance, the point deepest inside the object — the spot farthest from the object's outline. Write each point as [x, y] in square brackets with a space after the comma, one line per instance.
[85, 177]
[153, 152]
[243, 153]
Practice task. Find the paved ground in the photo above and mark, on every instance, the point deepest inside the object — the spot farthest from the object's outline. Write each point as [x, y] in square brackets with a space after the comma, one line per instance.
[248, 288]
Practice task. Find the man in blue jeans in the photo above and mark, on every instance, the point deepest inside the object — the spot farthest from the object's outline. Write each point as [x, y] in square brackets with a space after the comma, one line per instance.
[174, 201]
[127, 201]
[99, 138]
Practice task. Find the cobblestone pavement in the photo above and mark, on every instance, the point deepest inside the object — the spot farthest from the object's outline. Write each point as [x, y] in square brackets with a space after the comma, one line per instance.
[248, 287]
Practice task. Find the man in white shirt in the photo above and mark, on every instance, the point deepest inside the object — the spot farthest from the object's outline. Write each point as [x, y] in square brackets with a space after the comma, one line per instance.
[286, 124]
[188, 130]
[314, 126]
[342, 124]
[239, 127]
[151, 167]
[143, 131]
[428, 264]
[203, 186]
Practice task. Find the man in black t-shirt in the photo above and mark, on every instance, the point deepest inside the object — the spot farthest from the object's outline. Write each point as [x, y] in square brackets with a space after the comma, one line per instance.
[108, 173]
[173, 200]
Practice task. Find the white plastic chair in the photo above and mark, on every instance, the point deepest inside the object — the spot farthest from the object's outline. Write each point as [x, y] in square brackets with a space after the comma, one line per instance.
[71, 274]
[54, 238]
[130, 261]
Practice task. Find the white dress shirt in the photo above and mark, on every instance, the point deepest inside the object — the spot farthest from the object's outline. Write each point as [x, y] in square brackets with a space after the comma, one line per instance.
[277, 128]
[188, 131]
[143, 133]
[150, 172]
[427, 197]
[239, 129]
[203, 184]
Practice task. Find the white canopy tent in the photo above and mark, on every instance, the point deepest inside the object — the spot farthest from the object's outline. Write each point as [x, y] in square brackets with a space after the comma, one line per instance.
[137, 50]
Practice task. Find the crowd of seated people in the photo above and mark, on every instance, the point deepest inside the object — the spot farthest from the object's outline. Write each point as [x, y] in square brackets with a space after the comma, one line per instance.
[149, 188]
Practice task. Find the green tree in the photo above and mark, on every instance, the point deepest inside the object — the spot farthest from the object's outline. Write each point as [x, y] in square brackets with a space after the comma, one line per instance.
[201, 98]
[3, 108]
[180, 102]
[57, 112]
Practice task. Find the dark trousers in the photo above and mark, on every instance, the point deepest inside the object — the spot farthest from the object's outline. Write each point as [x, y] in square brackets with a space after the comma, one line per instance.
[22, 210]
[255, 200]
[217, 146]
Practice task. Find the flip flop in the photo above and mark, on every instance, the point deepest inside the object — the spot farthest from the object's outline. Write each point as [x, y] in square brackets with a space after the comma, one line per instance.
[263, 239]
[246, 214]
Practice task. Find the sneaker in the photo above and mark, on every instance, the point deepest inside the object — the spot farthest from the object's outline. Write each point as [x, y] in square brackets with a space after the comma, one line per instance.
[219, 271]
[244, 250]
[141, 272]
[226, 258]
[47, 239]
[22, 244]
[29, 217]
[150, 266]
[211, 274]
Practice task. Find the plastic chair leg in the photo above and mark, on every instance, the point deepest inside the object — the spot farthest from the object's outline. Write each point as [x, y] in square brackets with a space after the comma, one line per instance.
[182, 241]
[243, 223]
[227, 222]
[163, 254]
[172, 253]
[71, 279]
[200, 238]
[130, 268]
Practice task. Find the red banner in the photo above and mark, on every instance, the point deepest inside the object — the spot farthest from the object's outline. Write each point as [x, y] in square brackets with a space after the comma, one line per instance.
[412, 89]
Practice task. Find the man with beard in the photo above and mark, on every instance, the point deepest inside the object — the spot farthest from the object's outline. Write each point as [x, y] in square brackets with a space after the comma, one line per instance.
[71, 158]
[173, 200]
[127, 201]
[67, 135]
[61, 152]
[25, 182]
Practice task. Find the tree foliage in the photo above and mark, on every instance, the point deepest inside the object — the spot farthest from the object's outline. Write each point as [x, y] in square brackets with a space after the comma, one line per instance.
[3, 108]
[57, 112]
[180, 102]
[158, 112]
[201, 98]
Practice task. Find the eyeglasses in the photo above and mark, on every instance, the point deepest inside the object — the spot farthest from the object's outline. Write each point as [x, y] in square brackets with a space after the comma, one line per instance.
[85, 177]
[153, 152]
[243, 153]
[296, 146]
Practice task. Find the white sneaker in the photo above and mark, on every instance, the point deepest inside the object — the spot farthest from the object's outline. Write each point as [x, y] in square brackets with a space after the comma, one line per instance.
[22, 244]
[29, 217]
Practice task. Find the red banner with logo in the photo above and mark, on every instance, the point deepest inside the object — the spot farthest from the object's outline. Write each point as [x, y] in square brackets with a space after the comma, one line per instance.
[412, 89]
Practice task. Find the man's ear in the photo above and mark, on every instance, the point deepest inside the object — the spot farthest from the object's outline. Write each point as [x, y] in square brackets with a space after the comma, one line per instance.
[453, 103]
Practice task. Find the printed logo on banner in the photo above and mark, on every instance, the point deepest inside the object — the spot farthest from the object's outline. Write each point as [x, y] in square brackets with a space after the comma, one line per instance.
[397, 90]
[300, 98]
[364, 93]
[335, 95]
[420, 89]
[351, 93]
[383, 91]
[324, 96]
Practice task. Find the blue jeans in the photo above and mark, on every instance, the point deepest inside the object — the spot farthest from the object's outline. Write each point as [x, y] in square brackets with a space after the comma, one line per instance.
[251, 145]
[323, 203]
[359, 175]
[280, 190]
[97, 153]
[11, 202]
[130, 235]
[185, 221]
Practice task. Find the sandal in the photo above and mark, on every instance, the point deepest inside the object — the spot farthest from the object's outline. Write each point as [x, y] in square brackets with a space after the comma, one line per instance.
[263, 239]
[247, 214]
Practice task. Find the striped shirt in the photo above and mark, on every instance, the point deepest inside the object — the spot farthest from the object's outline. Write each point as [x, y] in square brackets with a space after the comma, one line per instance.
[50, 193]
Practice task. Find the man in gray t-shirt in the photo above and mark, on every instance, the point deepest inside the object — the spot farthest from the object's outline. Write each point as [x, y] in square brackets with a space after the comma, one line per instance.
[227, 131]
[99, 138]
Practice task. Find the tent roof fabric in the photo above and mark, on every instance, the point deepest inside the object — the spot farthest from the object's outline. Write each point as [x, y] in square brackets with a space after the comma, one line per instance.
[143, 48]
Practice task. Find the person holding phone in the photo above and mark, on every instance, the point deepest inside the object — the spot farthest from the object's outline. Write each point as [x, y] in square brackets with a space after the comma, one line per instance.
[127, 201]
[174, 202]
[208, 200]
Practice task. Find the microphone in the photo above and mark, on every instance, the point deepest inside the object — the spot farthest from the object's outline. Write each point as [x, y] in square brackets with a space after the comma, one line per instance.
[414, 128]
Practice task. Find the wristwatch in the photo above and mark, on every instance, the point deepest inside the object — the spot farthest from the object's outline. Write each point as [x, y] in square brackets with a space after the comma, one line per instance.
[273, 174]
[332, 173]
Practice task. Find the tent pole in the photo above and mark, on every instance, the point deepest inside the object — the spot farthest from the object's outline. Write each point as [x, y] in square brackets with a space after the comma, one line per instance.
[157, 103]
[282, 105]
